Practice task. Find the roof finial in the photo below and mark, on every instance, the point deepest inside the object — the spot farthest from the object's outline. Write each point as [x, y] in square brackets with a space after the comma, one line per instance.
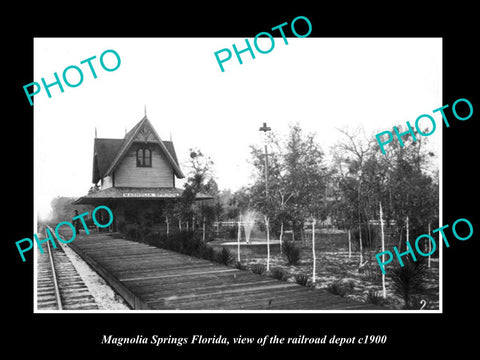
[95, 132]
[145, 110]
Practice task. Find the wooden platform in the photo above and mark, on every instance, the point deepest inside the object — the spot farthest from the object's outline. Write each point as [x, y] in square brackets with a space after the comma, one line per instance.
[151, 278]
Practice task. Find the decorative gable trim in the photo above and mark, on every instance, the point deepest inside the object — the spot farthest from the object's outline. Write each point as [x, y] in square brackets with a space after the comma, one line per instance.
[145, 132]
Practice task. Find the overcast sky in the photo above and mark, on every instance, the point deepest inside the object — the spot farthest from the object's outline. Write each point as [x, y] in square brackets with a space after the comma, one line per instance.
[322, 83]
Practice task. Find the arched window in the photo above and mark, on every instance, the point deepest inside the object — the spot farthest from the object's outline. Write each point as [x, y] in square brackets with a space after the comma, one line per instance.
[147, 157]
[144, 157]
[139, 157]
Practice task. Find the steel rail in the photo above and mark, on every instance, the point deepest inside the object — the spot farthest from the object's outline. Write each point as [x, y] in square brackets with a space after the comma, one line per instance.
[54, 275]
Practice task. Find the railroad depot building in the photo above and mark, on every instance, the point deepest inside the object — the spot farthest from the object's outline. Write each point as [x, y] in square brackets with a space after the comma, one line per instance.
[135, 177]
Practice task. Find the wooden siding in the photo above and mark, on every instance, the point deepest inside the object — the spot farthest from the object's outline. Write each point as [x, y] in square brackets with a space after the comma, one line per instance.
[107, 183]
[159, 175]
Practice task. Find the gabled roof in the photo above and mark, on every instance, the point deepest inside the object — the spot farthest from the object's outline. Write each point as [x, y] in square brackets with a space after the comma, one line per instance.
[104, 152]
[108, 153]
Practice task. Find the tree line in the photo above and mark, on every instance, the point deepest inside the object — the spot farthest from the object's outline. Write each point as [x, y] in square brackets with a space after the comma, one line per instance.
[347, 189]
[302, 186]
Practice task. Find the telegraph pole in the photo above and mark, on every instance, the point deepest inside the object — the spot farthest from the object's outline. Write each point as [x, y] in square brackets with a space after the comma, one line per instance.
[265, 128]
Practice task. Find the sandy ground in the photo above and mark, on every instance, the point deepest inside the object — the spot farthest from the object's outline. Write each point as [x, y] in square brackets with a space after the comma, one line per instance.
[337, 267]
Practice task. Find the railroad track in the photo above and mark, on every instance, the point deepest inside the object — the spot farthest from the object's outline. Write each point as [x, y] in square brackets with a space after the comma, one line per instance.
[59, 286]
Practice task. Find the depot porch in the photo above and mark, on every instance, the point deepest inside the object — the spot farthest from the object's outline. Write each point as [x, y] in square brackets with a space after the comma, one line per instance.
[135, 208]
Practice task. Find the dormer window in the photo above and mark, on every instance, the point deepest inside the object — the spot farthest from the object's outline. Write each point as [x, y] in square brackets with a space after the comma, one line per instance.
[144, 157]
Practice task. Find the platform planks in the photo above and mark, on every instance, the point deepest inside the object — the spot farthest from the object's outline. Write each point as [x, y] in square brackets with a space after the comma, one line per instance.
[151, 278]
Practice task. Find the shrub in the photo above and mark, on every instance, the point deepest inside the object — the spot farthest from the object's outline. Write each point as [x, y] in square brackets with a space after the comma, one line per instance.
[176, 243]
[258, 269]
[131, 233]
[207, 253]
[292, 253]
[301, 279]
[185, 242]
[192, 245]
[340, 288]
[408, 280]
[279, 274]
[143, 231]
[224, 256]
[240, 266]
[121, 226]
[371, 272]
[375, 297]
[151, 239]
